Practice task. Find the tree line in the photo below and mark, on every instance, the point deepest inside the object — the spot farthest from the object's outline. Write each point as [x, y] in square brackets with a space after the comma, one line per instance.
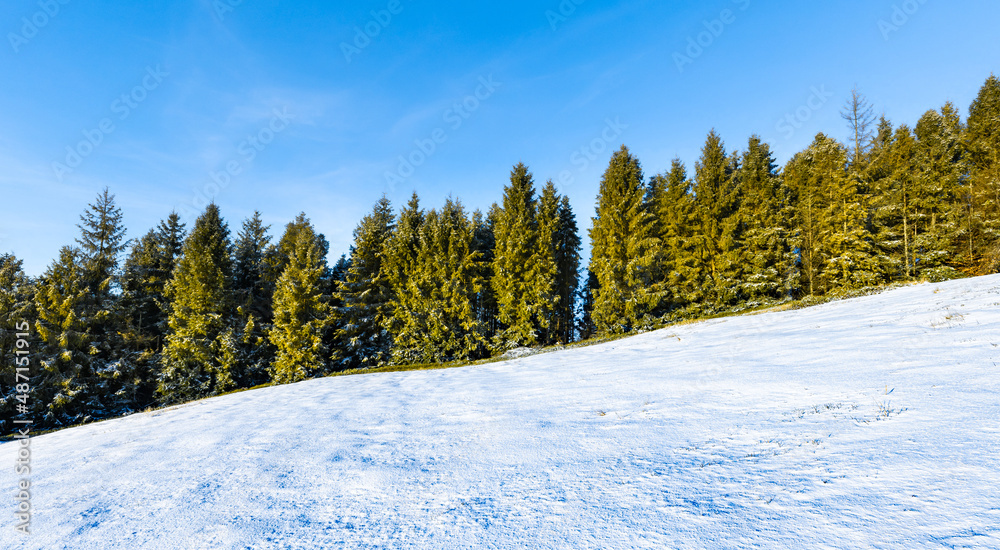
[123, 325]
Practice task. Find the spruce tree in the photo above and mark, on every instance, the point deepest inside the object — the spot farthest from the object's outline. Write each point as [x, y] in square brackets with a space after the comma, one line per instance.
[248, 345]
[941, 169]
[518, 270]
[716, 204]
[766, 253]
[982, 233]
[678, 232]
[545, 275]
[623, 249]
[300, 311]
[484, 244]
[567, 259]
[101, 242]
[144, 308]
[436, 280]
[201, 314]
[810, 175]
[365, 294]
[65, 383]
[16, 313]
[586, 328]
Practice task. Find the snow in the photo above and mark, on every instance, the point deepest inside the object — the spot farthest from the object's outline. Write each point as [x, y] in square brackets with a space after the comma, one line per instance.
[867, 423]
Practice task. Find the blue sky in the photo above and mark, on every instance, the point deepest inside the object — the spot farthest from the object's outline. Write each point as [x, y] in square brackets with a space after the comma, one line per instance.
[283, 107]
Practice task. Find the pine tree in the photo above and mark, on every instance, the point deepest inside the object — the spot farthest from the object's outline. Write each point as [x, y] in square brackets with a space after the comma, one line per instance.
[484, 244]
[545, 275]
[623, 249]
[64, 384]
[434, 271]
[810, 175]
[101, 242]
[16, 312]
[983, 202]
[766, 253]
[366, 294]
[675, 211]
[716, 204]
[941, 173]
[567, 259]
[518, 270]
[248, 347]
[300, 310]
[144, 310]
[851, 258]
[587, 328]
[201, 314]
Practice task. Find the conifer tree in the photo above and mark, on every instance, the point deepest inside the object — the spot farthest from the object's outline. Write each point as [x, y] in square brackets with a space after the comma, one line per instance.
[623, 250]
[546, 275]
[850, 258]
[64, 389]
[567, 259]
[520, 265]
[941, 169]
[983, 216]
[433, 315]
[201, 314]
[248, 345]
[400, 264]
[860, 117]
[766, 253]
[484, 244]
[16, 313]
[101, 242]
[811, 174]
[300, 310]
[365, 294]
[716, 203]
[587, 328]
[144, 309]
[679, 224]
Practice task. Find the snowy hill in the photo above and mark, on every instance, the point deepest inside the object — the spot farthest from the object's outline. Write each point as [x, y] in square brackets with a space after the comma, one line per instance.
[867, 423]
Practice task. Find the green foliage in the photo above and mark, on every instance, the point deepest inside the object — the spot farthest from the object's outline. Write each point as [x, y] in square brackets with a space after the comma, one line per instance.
[983, 195]
[365, 295]
[624, 249]
[523, 266]
[16, 310]
[249, 349]
[717, 200]
[766, 255]
[201, 311]
[300, 311]
[65, 378]
[567, 277]
[435, 278]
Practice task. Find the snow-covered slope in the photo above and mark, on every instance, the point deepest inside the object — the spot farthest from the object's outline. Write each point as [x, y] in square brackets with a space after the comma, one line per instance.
[868, 423]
